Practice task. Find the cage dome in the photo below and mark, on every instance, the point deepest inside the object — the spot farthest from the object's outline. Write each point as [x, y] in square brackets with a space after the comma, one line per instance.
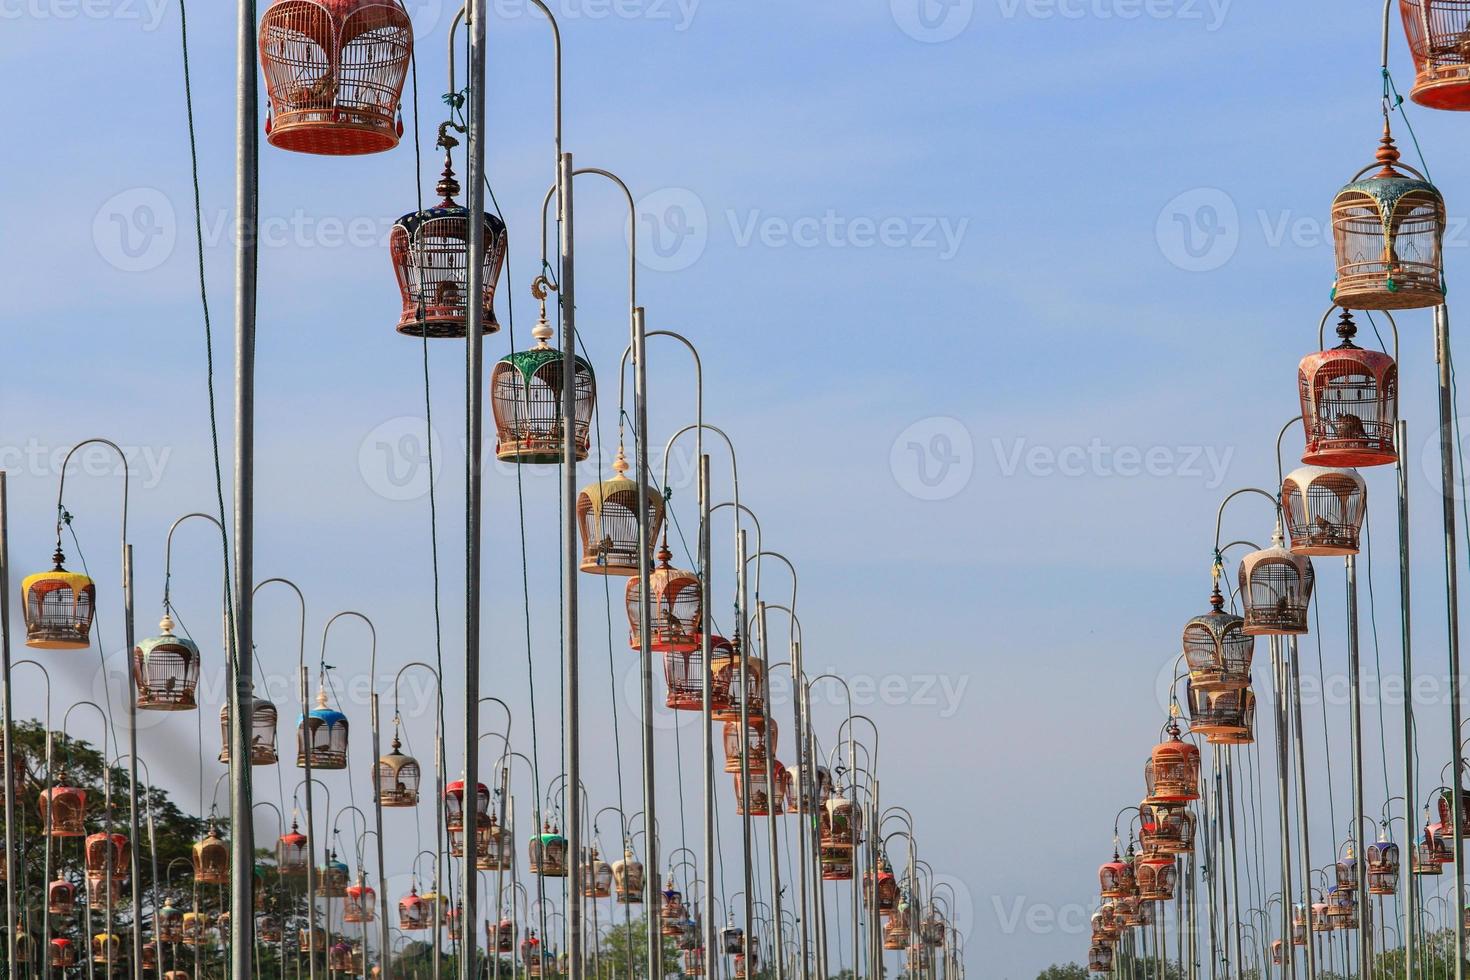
[1387, 229]
[166, 670]
[628, 879]
[1439, 40]
[672, 911]
[212, 860]
[1217, 648]
[63, 808]
[324, 732]
[58, 606]
[334, 73]
[1171, 774]
[430, 251]
[1349, 402]
[263, 717]
[1324, 509]
[526, 391]
[548, 853]
[607, 517]
[677, 607]
[398, 778]
[1276, 590]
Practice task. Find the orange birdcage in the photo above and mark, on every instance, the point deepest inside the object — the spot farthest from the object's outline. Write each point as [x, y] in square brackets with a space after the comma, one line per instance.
[106, 855]
[1169, 827]
[694, 962]
[1439, 40]
[334, 72]
[63, 808]
[881, 890]
[344, 957]
[313, 940]
[676, 607]
[1349, 403]
[359, 903]
[1224, 717]
[212, 860]
[58, 607]
[1171, 774]
[735, 677]
[836, 863]
[610, 525]
[760, 797]
[1116, 878]
[1156, 881]
[759, 745]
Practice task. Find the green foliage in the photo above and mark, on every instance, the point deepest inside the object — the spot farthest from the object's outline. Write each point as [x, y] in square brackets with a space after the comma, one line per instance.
[1063, 971]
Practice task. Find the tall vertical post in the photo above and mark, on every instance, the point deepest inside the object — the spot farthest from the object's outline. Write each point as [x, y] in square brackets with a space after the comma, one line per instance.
[645, 652]
[711, 958]
[385, 941]
[133, 835]
[1355, 705]
[242, 702]
[805, 790]
[474, 445]
[772, 848]
[1304, 863]
[1283, 790]
[9, 744]
[1411, 916]
[747, 870]
[570, 656]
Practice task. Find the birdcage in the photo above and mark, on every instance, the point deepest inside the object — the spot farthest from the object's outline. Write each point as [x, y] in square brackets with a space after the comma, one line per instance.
[414, 913]
[526, 392]
[628, 879]
[494, 848]
[760, 745]
[814, 792]
[530, 951]
[693, 962]
[836, 863]
[342, 958]
[1100, 959]
[881, 890]
[1116, 878]
[398, 778]
[1324, 509]
[744, 962]
[63, 954]
[690, 934]
[293, 853]
[1275, 589]
[454, 799]
[1439, 40]
[1387, 229]
[313, 940]
[106, 855]
[676, 606]
[896, 933]
[732, 938]
[735, 677]
[58, 608]
[597, 876]
[1382, 859]
[212, 860]
[166, 670]
[107, 948]
[1342, 908]
[1129, 913]
[196, 928]
[1156, 882]
[332, 878]
[838, 826]
[685, 675]
[334, 73]
[222, 924]
[1171, 774]
[1217, 649]
[268, 929]
[502, 936]
[1349, 401]
[608, 520]
[263, 751]
[61, 897]
[63, 808]
[1170, 826]
[324, 733]
[1298, 925]
[672, 911]
[759, 804]
[359, 904]
[1224, 717]
[1431, 853]
[101, 891]
[169, 924]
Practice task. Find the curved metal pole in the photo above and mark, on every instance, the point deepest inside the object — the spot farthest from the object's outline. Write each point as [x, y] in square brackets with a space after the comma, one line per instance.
[107, 767]
[9, 736]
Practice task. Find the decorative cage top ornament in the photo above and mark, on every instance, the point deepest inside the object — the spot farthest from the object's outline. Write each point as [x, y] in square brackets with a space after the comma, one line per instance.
[58, 607]
[398, 776]
[1324, 509]
[431, 257]
[1171, 774]
[166, 670]
[608, 519]
[676, 606]
[1439, 40]
[1276, 589]
[1387, 229]
[324, 732]
[263, 717]
[526, 391]
[1349, 401]
[1217, 648]
[334, 73]
[212, 860]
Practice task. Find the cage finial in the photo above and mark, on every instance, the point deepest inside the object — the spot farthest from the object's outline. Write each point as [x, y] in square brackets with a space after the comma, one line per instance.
[1388, 153]
[166, 625]
[448, 186]
[1217, 601]
[1347, 328]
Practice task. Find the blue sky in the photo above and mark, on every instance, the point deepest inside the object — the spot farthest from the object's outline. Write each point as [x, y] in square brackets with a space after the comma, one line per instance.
[996, 304]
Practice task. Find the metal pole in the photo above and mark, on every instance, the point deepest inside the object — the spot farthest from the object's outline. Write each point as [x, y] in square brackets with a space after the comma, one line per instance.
[475, 350]
[11, 918]
[1303, 827]
[706, 711]
[1411, 917]
[242, 705]
[1365, 963]
[775, 858]
[384, 940]
[308, 744]
[645, 564]
[1283, 789]
[747, 876]
[805, 790]
[1229, 756]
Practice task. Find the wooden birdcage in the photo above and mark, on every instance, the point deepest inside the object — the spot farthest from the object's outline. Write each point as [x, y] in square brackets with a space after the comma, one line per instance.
[693, 962]
[212, 860]
[59, 606]
[885, 897]
[526, 392]
[732, 938]
[107, 948]
[61, 897]
[1342, 907]
[494, 850]
[608, 520]
[690, 934]
[101, 890]
[896, 933]
[341, 958]
[106, 855]
[323, 732]
[430, 250]
[760, 799]
[1387, 229]
[334, 73]
[1349, 401]
[1224, 717]
[628, 879]
[813, 792]
[166, 670]
[1439, 40]
[838, 825]
[63, 954]
[313, 940]
[268, 929]
[1116, 878]
[1324, 509]
[745, 963]
[1299, 925]
[454, 801]
[530, 951]
[760, 745]
[359, 905]
[676, 607]
[1156, 882]
[1382, 859]
[547, 853]
[1171, 774]
[63, 808]
[672, 911]
[836, 863]
[1276, 590]
[1170, 827]
[502, 936]
[597, 875]
[1431, 853]
[1217, 648]
[1099, 958]
[196, 928]
[169, 925]
[263, 716]
[397, 782]
[332, 878]
[735, 677]
[684, 674]
[414, 914]
[293, 853]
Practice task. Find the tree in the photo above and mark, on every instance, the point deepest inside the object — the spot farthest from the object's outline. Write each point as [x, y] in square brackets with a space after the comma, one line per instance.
[623, 951]
[1061, 971]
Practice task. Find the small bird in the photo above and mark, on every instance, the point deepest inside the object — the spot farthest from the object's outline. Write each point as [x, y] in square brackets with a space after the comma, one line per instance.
[1349, 426]
[448, 293]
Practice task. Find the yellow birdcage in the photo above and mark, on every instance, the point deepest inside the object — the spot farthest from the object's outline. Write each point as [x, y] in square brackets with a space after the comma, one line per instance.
[58, 608]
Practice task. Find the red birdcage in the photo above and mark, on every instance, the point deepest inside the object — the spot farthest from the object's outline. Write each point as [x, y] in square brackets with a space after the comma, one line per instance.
[166, 670]
[501, 937]
[1276, 589]
[1349, 400]
[212, 860]
[609, 522]
[1171, 774]
[398, 776]
[694, 962]
[454, 922]
[61, 897]
[1116, 878]
[293, 853]
[1324, 509]
[334, 73]
[628, 879]
[63, 954]
[263, 717]
[414, 913]
[896, 932]
[59, 606]
[1387, 229]
[733, 677]
[526, 396]
[760, 745]
[676, 607]
[886, 894]
[359, 904]
[106, 855]
[430, 250]
[1217, 648]
[597, 875]
[63, 808]
[1439, 40]
[454, 802]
